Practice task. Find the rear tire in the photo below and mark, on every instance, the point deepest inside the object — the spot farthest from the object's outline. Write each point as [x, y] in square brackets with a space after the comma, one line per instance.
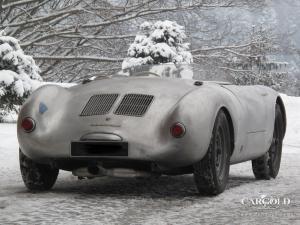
[37, 177]
[211, 173]
[267, 166]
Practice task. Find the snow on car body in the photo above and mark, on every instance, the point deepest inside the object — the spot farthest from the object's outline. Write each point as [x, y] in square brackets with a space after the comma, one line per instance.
[145, 125]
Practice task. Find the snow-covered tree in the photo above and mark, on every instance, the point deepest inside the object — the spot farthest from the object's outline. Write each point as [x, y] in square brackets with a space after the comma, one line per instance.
[18, 74]
[159, 42]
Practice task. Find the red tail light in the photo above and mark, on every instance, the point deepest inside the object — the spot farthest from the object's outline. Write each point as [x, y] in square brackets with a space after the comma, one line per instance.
[28, 124]
[177, 130]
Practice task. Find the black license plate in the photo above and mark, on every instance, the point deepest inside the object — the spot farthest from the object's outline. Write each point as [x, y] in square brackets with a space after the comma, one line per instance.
[99, 148]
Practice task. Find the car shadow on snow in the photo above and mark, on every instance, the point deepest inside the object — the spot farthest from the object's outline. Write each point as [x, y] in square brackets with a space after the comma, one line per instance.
[162, 187]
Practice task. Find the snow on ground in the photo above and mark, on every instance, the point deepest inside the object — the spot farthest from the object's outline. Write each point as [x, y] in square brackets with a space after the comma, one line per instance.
[292, 139]
[167, 200]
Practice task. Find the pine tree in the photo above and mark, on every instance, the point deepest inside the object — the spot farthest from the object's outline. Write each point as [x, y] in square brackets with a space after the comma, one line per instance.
[160, 42]
[18, 74]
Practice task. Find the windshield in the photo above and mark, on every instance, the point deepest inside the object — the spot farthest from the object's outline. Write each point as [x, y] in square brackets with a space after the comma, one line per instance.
[179, 71]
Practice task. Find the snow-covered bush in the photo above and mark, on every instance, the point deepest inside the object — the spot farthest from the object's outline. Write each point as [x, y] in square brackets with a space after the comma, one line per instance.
[160, 42]
[18, 74]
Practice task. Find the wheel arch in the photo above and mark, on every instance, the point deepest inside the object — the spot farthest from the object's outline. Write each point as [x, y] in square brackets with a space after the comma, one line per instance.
[279, 102]
[231, 127]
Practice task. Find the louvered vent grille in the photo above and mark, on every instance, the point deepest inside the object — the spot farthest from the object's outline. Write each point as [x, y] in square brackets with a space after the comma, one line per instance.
[99, 104]
[134, 105]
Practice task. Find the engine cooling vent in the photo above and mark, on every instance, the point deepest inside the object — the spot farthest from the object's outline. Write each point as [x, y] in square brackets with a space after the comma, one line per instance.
[99, 104]
[134, 105]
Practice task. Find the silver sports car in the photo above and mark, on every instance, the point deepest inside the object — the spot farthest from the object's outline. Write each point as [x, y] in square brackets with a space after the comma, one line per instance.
[150, 121]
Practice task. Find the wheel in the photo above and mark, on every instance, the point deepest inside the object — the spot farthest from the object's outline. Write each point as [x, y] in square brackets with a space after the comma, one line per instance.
[211, 173]
[267, 166]
[37, 177]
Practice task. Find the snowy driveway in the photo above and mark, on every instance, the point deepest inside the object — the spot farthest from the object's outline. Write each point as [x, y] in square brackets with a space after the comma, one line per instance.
[167, 200]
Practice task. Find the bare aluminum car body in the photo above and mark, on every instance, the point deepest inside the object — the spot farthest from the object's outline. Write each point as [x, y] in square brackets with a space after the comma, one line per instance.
[65, 119]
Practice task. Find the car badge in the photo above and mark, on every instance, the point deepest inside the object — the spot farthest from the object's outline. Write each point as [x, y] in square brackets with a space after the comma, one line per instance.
[42, 108]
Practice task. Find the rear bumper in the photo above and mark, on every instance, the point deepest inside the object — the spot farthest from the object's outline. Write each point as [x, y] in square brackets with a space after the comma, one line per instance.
[170, 154]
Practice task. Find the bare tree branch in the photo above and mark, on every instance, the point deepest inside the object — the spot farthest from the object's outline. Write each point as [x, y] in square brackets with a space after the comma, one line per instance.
[68, 58]
[18, 3]
[106, 37]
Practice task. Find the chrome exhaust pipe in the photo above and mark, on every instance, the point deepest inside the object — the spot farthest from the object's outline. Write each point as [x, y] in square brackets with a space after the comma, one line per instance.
[127, 173]
[88, 172]
[99, 171]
